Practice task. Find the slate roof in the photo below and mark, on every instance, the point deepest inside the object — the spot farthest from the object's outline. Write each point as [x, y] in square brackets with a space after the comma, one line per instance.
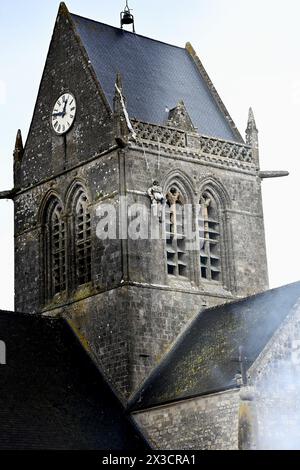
[155, 76]
[52, 395]
[205, 358]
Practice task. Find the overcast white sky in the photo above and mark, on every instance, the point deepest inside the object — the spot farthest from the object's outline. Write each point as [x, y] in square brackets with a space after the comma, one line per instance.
[250, 50]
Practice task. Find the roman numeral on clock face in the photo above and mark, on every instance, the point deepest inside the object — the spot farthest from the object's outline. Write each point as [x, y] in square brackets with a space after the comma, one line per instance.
[63, 113]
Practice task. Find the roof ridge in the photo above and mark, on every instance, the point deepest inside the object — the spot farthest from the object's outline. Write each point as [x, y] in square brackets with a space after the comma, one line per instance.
[127, 32]
[30, 315]
[202, 70]
[250, 297]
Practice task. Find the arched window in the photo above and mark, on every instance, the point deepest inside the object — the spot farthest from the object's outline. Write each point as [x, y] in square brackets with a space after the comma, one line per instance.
[55, 247]
[82, 238]
[209, 235]
[175, 234]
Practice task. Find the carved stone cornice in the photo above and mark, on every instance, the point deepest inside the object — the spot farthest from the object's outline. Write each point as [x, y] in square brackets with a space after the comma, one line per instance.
[192, 145]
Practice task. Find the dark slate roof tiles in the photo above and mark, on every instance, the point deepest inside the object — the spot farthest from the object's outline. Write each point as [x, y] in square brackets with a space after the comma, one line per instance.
[205, 358]
[52, 395]
[155, 76]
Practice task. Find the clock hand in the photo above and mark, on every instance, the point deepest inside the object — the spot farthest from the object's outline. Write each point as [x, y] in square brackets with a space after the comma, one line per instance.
[57, 114]
[64, 110]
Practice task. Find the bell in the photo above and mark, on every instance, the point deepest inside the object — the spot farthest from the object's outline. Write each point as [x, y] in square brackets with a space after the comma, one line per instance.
[127, 17]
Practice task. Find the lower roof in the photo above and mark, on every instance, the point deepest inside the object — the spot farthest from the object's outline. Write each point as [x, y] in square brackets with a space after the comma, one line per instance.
[206, 358]
[52, 395]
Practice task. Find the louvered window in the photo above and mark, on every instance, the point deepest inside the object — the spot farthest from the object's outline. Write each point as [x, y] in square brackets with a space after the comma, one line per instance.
[175, 236]
[56, 249]
[82, 239]
[209, 235]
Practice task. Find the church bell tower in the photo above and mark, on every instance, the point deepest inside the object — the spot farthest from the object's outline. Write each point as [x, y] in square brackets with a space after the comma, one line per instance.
[124, 122]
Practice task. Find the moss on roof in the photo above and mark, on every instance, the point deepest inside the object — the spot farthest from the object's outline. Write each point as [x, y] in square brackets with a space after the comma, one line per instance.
[205, 358]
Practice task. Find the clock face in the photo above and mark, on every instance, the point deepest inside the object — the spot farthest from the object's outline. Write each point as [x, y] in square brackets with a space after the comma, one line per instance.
[63, 113]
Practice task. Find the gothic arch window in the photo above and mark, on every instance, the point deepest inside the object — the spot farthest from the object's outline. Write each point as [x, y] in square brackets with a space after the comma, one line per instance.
[82, 238]
[209, 237]
[175, 234]
[55, 248]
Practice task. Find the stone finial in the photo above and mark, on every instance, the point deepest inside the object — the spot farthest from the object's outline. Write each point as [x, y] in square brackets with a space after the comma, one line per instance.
[119, 81]
[124, 129]
[118, 94]
[63, 10]
[18, 156]
[118, 108]
[251, 118]
[251, 131]
[180, 119]
[252, 136]
[19, 148]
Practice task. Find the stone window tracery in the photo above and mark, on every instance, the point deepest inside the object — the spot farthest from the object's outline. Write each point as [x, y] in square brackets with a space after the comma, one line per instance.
[175, 234]
[209, 236]
[82, 238]
[55, 241]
